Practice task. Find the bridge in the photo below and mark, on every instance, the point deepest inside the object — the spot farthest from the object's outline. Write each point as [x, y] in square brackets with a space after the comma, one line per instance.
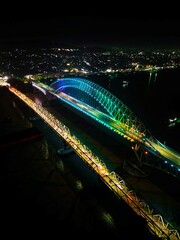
[108, 114]
[101, 105]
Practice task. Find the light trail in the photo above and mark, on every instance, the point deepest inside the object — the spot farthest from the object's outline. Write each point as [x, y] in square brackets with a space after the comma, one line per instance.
[155, 222]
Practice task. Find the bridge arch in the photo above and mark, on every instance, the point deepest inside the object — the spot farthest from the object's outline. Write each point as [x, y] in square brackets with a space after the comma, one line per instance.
[110, 103]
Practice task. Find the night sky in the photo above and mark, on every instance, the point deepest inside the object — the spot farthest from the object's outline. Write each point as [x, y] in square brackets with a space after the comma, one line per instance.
[90, 30]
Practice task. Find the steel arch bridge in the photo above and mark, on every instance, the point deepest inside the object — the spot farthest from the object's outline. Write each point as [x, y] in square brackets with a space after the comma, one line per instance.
[109, 103]
[99, 98]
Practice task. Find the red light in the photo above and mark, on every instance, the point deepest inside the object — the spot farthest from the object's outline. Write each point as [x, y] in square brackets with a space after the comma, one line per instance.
[146, 152]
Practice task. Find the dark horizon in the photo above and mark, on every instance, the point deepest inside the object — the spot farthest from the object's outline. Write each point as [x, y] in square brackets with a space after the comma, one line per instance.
[90, 31]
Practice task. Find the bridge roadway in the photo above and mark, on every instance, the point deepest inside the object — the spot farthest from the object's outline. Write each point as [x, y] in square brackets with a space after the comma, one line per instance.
[114, 182]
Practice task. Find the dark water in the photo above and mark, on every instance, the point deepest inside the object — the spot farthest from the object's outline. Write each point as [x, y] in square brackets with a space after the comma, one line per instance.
[153, 102]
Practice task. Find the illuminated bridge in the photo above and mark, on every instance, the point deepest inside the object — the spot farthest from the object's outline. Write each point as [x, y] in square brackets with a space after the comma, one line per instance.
[101, 105]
